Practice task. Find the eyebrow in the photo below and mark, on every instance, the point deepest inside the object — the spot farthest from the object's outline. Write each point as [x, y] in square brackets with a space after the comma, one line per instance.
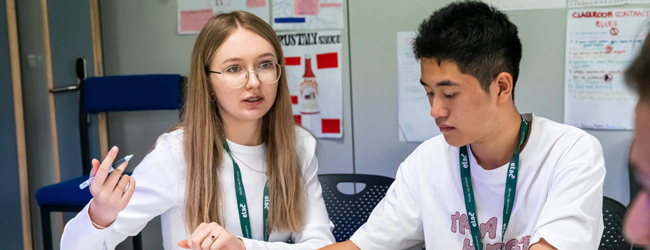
[235, 59]
[441, 84]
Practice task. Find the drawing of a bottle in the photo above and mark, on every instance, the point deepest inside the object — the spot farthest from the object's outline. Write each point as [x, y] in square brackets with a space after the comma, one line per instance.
[309, 99]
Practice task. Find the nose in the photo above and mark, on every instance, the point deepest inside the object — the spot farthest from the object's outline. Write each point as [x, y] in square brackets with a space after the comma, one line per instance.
[253, 79]
[438, 108]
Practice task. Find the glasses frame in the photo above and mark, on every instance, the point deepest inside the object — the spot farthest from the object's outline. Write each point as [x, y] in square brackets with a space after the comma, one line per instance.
[248, 74]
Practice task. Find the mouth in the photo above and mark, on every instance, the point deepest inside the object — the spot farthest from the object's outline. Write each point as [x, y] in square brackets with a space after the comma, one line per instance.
[445, 129]
[254, 100]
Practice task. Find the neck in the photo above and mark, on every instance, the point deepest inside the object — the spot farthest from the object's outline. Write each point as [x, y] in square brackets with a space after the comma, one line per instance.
[247, 133]
[497, 148]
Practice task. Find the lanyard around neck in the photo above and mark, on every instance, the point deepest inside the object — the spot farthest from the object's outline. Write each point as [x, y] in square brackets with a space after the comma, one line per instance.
[242, 204]
[511, 188]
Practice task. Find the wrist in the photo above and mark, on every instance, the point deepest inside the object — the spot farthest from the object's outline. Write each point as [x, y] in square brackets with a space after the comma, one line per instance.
[98, 221]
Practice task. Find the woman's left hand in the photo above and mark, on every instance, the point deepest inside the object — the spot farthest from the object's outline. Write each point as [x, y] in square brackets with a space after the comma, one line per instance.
[211, 236]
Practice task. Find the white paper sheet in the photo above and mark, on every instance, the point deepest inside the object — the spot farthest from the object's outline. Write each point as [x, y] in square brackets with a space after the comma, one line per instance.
[600, 44]
[308, 14]
[415, 123]
[194, 14]
[590, 3]
[313, 63]
[528, 4]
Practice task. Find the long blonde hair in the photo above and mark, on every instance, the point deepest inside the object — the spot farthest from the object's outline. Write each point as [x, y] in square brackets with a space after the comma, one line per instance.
[204, 135]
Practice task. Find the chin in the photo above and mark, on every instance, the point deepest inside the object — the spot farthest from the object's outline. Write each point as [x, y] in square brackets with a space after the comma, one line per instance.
[454, 141]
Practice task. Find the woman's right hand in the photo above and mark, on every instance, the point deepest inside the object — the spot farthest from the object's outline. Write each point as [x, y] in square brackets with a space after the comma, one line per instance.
[110, 196]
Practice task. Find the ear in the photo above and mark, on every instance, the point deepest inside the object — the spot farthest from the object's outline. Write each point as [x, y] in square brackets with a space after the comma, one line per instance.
[505, 86]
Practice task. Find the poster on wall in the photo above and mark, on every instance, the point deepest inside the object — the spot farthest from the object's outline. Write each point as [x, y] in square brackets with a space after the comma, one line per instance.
[527, 4]
[590, 3]
[313, 64]
[307, 14]
[194, 14]
[415, 123]
[600, 45]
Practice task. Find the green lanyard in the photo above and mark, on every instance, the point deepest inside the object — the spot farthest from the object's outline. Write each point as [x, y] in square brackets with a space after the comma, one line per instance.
[242, 205]
[511, 188]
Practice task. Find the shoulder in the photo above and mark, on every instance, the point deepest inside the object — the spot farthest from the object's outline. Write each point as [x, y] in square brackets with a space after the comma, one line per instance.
[565, 136]
[570, 145]
[432, 151]
[306, 143]
[166, 155]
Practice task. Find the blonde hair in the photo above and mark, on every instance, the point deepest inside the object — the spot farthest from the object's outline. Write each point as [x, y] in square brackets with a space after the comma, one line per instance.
[204, 134]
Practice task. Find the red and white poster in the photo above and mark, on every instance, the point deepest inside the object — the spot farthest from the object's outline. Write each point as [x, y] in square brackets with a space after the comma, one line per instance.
[313, 64]
[600, 45]
[194, 14]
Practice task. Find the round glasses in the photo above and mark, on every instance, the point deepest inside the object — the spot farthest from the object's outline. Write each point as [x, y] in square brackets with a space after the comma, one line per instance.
[237, 76]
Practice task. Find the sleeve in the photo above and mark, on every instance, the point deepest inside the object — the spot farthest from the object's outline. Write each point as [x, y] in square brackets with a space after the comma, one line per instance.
[572, 215]
[396, 222]
[317, 230]
[155, 193]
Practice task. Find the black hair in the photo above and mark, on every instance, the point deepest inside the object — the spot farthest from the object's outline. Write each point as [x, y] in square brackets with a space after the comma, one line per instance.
[478, 38]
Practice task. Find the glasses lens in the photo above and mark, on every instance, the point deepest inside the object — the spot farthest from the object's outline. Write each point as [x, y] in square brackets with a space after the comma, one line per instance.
[235, 76]
[268, 72]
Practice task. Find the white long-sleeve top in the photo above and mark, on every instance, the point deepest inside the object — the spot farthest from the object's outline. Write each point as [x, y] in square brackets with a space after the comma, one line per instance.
[160, 190]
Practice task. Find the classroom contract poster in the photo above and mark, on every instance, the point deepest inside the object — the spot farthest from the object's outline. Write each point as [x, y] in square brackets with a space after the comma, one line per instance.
[313, 65]
[194, 14]
[589, 3]
[601, 43]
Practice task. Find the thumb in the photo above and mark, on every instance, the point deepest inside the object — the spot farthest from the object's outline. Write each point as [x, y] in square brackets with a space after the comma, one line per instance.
[95, 164]
[183, 244]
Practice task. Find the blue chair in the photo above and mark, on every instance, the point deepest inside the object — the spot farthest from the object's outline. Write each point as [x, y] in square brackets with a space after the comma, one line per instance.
[349, 211]
[106, 94]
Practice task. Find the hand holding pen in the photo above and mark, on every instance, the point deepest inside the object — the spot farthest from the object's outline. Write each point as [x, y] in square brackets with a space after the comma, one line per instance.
[110, 195]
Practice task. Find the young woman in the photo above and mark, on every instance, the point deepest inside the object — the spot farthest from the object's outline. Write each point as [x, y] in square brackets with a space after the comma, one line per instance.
[235, 173]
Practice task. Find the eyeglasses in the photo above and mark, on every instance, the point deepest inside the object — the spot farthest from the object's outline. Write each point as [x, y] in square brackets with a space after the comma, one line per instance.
[237, 76]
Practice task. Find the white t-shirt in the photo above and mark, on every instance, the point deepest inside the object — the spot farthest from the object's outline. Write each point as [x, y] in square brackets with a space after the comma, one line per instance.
[160, 190]
[559, 197]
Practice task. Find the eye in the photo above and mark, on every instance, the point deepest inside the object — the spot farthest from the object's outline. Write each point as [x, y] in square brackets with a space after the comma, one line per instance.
[266, 65]
[450, 96]
[429, 94]
[233, 69]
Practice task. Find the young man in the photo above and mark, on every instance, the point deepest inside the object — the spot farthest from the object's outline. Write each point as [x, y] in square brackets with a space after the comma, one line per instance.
[492, 169]
[637, 223]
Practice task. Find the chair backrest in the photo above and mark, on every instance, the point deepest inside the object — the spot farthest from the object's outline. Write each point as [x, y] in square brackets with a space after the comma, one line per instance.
[613, 214]
[125, 93]
[349, 212]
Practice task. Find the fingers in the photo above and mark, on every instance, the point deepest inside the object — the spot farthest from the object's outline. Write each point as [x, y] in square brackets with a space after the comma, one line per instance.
[198, 235]
[212, 237]
[202, 239]
[102, 172]
[126, 197]
[120, 188]
[95, 164]
[183, 244]
[219, 243]
[114, 177]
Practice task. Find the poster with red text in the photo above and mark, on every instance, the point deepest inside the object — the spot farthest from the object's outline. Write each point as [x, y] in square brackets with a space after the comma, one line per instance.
[194, 14]
[313, 64]
[601, 43]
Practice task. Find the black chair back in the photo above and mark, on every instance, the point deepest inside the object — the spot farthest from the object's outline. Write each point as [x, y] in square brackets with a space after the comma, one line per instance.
[349, 212]
[613, 214]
